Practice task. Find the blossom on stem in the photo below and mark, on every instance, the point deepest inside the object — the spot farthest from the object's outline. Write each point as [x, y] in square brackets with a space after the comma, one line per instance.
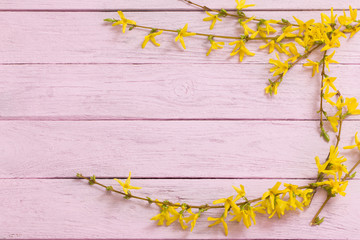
[357, 143]
[352, 104]
[334, 120]
[328, 59]
[287, 32]
[241, 4]
[193, 217]
[272, 45]
[214, 45]
[327, 96]
[240, 192]
[240, 49]
[328, 20]
[126, 185]
[217, 221]
[314, 65]
[124, 21]
[228, 202]
[329, 82]
[151, 37]
[212, 18]
[183, 33]
[280, 67]
[303, 26]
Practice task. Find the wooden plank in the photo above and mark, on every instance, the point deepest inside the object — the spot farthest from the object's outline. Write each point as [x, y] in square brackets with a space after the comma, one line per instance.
[83, 37]
[200, 149]
[71, 209]
[169, 5]
[166, 91]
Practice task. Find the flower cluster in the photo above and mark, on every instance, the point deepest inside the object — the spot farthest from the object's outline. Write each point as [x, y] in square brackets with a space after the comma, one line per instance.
[273, 201]
[292, 43]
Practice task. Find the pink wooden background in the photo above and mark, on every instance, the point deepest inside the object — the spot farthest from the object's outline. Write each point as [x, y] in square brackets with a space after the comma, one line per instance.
[77, 95]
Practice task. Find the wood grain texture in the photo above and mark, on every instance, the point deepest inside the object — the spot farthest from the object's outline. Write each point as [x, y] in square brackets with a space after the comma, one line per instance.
[77, 95]
[165, 91]
[101, 5]
[175, 149]
[74, 210]
[83, 37]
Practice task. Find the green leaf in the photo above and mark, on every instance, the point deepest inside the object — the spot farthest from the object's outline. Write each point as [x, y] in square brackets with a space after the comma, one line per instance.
[353, 175]
[324, 135]
[222, 13]
[318, 221]
[110, 20]
[109, 188]
[92, 180]
[149, 200]
[240, 13]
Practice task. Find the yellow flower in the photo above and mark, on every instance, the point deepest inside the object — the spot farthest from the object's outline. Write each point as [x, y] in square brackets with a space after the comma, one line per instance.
[321, 167]
[328, 59]
[345, 20]
[214, 45]
[293, 50]
[305, 42]
[269, 29]
[164, 214]
[126, 186]
[280, 207]
[246, 213]
[328, 20]
[353, 13]
[306, 196]
[357, 143]
[337, 187]
[217, 221]
[351, 105]
[193, 217]
[177, 216]
[228, 202]
[334, 120]
[124, 21]
[314, 65]
[246, 27]
[270, 196]
[303, 26]
[151, 37]
[183, 33]
[240, 191]
[328, 95]
[333, 164]
[329, 82]
[240, 49]
[280, 67]
[212, 18]
[287, 32]
[339, 103]
[293, 191]
[272, 88]
[241, 4]
[331, 43]
[272, 45]
[353, 30]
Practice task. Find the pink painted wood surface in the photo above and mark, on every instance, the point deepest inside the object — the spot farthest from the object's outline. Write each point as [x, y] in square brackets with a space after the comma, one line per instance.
[97, 5]
[83, 37]
[177, 149]
[72, 209]
[77, 95]
[166, 91]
